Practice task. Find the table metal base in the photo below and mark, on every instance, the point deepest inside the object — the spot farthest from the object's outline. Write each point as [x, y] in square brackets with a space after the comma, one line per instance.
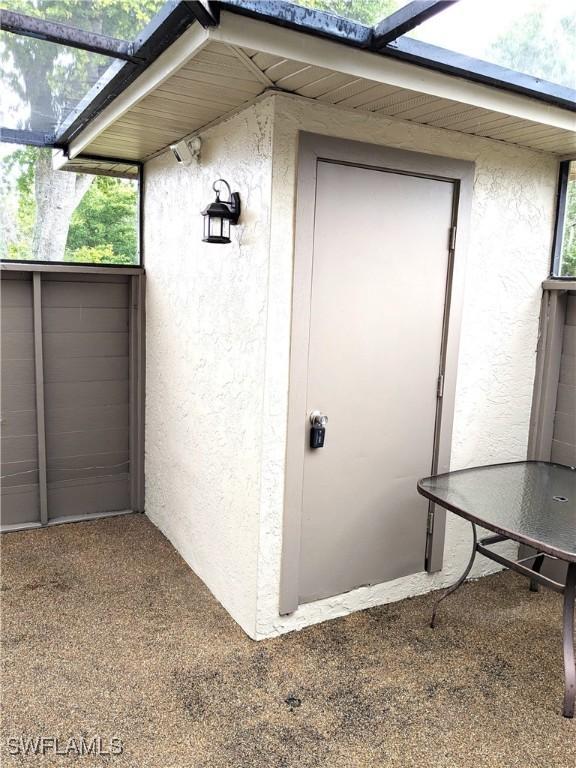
[536, 578]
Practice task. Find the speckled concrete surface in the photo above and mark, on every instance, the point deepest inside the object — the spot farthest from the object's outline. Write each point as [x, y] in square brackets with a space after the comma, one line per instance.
[107, 632]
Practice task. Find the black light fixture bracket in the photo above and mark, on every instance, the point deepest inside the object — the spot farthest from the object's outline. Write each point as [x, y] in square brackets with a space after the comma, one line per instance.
[233, 202]
[234, 207]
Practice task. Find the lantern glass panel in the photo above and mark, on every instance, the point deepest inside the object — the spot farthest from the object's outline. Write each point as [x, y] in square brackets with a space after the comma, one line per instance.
[215, 224]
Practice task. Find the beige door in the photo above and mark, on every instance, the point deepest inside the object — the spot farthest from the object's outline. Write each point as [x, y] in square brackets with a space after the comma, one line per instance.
[379, 273]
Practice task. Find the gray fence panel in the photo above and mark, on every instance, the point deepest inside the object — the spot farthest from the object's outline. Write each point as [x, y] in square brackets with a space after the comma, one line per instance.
[87, 343]
[553, 423]
[564, 434]
[19, 443]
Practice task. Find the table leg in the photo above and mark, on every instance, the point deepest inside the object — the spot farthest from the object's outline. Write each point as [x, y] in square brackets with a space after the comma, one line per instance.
[536, 566]
[460, 581]
[569, 662]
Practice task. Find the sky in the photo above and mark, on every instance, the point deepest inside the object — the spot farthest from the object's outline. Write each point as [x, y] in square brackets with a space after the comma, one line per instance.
[469, 26]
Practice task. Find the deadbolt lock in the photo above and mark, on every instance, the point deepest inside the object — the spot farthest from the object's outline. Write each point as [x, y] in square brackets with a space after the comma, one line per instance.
[318, 419]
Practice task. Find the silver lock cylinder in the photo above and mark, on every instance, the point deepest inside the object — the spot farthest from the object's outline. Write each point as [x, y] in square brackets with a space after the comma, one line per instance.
[318, 419]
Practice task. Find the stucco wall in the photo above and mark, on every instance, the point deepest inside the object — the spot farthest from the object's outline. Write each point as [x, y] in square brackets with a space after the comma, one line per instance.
[218, 335]
[206, 311]
[508, 257]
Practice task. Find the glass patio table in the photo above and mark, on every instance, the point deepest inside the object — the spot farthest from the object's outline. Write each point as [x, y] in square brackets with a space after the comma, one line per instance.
[529, 502]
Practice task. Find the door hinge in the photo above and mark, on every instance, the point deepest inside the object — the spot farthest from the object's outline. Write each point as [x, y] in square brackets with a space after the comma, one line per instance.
[440, 386]
[452, 239]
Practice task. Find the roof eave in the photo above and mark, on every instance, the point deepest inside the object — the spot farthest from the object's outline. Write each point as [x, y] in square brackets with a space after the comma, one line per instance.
[164, 29]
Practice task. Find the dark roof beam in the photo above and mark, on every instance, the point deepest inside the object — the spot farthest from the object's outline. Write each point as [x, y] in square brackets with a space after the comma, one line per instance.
[205, 13]
[403, 20]
[287, 14]
[63, 34]
[30, 138]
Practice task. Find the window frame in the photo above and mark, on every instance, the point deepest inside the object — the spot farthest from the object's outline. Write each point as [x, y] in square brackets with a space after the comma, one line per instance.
[560, 219]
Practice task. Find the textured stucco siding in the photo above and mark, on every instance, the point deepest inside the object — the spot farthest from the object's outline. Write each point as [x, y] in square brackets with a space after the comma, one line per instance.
[206, 309]
[218, 343]
[508, 257]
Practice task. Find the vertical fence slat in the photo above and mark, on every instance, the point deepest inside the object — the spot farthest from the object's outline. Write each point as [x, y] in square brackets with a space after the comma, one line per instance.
[137, 351]
[547, 373]
[39, 377]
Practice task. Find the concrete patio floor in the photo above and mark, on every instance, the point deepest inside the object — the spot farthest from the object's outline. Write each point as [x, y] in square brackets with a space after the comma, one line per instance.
[106, 631]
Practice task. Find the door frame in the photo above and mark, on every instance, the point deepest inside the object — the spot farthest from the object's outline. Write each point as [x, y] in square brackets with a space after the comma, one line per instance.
[313, 148]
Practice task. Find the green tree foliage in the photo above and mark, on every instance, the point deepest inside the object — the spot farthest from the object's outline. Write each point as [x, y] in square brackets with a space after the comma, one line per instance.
[98, 254]
[44, 82]
[17, 204]
[568, 264]
[541, 47]
[105, 223]
[102, 229]
[51, 78]
[367, 12]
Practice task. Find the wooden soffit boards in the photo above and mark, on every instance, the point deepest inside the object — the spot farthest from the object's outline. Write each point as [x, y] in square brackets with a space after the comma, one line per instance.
[360, 80]
[217, 80]
[361, 94]
[207, 74]
[97, 166]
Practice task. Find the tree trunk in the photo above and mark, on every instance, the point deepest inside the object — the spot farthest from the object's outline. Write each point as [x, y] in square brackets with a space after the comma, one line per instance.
[57, 195]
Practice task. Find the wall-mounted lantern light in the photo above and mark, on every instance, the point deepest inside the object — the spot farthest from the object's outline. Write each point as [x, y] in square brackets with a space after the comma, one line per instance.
[220, 214]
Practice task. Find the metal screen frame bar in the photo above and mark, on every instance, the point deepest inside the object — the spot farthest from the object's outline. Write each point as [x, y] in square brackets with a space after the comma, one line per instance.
[561, 199]
[405, 19]
[65, 34]
[39, 382]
